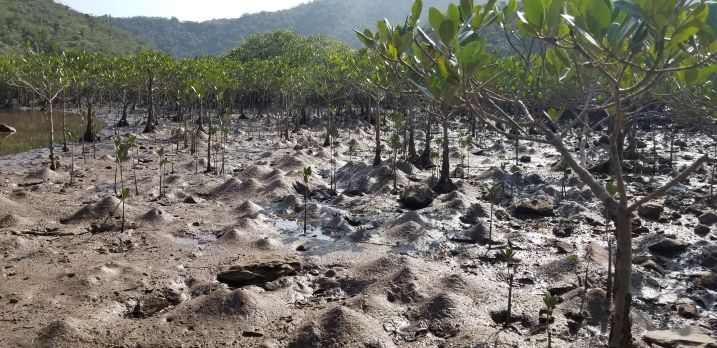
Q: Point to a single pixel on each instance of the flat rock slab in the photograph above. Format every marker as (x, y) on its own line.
(259, 272)
(678, 338)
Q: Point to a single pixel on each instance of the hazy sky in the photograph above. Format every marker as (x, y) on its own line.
(188, 10)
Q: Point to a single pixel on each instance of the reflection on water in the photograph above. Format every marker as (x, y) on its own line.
(33, 129)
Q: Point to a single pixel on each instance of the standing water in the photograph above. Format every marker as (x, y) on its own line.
(33, 130)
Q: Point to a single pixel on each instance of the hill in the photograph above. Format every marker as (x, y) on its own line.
(46, 22)
(337, 18)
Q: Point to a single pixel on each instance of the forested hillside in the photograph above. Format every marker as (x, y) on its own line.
(46, 22)
(337, 18)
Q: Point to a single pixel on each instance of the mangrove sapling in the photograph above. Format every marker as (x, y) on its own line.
(307, 174)
(162, 158)
(332, 133)
(550, 302)
(132, 143)
(508, 256)
(123, 196)
(565, 169)
(68, 134)
(465, 143)
(216, 147)
(395, 143)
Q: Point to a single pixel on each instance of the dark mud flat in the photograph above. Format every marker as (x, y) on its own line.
(222, 260)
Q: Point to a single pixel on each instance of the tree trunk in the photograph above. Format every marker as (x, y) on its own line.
(53, 159)
(621, 332)
(445, 184)
(89, 131)
(424, 161)
(209, 145)
(377, 119)
(64, 129)
(151, 121)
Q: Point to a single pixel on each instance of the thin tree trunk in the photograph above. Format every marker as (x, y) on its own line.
(53, 159)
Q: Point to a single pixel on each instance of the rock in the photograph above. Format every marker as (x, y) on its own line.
(708, 218)
(415, 197)
(688, 310)
(563, 230)
(687, 337)
(258, 273)
(525, 159)
(193, 200)
(708, 280)
(702, 230)
(6, 129)
(651, 210)
(668, 247)
(540, 204)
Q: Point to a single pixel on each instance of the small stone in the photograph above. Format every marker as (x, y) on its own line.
(415, 197)
(193, 200)
(6, 129)
(688, 310)
(525, 159)
(708, 218)
(702, 230)
(708, 280)
(539, 204)
(687, 337)
(668, 247)
(651, 210)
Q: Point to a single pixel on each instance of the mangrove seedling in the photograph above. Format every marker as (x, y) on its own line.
(333, 133)
(132, 143)
(68, 135)
(550, 302)
(123, 197)
(307, 174)
(162, 158)
(508, 256)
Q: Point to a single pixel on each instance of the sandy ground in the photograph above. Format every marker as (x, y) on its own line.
(369, 273)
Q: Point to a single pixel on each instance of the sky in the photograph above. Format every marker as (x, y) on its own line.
(185, 10)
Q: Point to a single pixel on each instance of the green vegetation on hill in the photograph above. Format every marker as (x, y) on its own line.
(336, 18)
(47, 23)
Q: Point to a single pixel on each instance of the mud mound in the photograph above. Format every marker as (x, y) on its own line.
(343, 327)
(337, 225)
(58, 334)
(100, 210)
(404, 287)
(410, 216)
(230, 187)
(45, 174)
(291, 203)
(267, 244)
(12, 220)
(253, 226)
(224, 303)
(256, 171)
(157, 216)
(279, 187)
(250, 186)
(230, 235)
(474, 214)
(406, 232)
(249, 210)
(10, 244)
(443, 314)
(291, 163)
(7, 204)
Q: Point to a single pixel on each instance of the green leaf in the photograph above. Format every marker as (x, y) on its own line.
(447, 31)
(435, 18)
(415, 12)
(553, 15)
(510, 8)
(454, 13)
(535, 13)
(685, 31)
(611, 188)
(629, 7)
(466, 8)
(598, 18)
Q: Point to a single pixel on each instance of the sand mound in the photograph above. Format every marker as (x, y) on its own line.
(157, 216)
(61, 333)
(337, 225)
(224, 303)
(253, 226)
(404, 287)
(250, 186)
(15, 244)
(406, 232)
(291, 203)
(443, 314)
(107, 158)
(474, 214)
(455, 201)
(256, 171)
(267, 244)
(291, 163)
(411, 216)
(230, 235)
(12, 220)
(249, 210)
(231, 187)
(343, 327)
(100, 210)
(45, 174)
